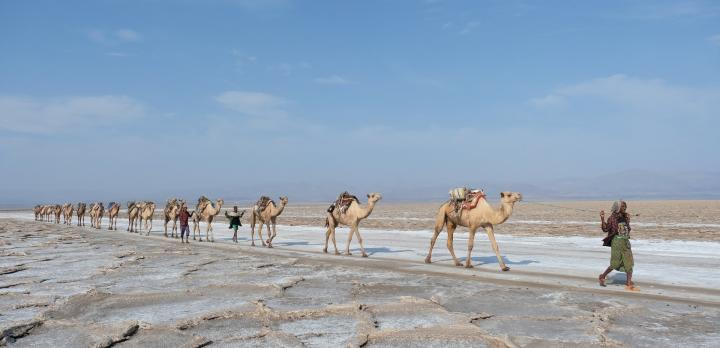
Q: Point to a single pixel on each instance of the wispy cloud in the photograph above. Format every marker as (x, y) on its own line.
(659, 10)
(468, 27)
(127, 35)
(289, 68)
(117, 54)
(332, 80)
(636, 98)
(48, 116)
(242, 60)
(715, 39)
(251, 103)
(115, 37)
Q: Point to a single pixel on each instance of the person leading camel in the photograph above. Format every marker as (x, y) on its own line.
(184, 216)
(234, 218)
(618, 229)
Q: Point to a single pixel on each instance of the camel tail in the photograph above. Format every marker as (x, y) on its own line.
(327, 222)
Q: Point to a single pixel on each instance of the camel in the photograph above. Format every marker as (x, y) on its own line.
(147, 211)
(37, 210)
(80, 211)
(267, 216)
(96, 213)
(57, 210)
(67, 210)
(351, 218)
(133, 214)
(205, 211)
(483, 215)
(171, 211)
(113, 212)
(46, 212)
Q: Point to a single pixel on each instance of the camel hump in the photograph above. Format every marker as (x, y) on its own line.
(463, 198)
(343, 202)
(263, 202)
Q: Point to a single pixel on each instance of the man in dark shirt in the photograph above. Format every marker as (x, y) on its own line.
(184, 226)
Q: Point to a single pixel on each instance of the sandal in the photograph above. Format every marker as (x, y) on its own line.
(631, 288)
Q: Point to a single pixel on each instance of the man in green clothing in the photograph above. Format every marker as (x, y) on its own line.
(621, 257)
(234, 218)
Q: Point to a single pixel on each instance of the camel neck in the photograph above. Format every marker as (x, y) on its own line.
(504, 212)
(367, 209)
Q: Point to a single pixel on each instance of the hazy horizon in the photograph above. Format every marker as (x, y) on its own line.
(124, 100)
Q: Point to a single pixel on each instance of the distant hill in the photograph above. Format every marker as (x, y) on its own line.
(630, 184)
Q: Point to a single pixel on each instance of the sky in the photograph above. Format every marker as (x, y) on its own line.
(236, 98)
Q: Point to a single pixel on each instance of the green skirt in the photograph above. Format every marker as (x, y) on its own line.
(621, 258)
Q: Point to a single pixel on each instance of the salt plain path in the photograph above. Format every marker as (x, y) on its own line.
(69, 286)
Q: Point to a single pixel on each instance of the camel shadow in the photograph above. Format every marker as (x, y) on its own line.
(382, 250)
(296, 243)
(487, 260)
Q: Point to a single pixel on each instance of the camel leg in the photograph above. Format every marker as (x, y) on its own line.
(360, 240)
(212, 230)
(149, 228)
(491, 237)
(450, 231)
(274, 232)
(471, 244)
(260, 227)
(428, 259)
(332, 235)
(327, 237)
(347, 247)
(269, 241)
(252, 229)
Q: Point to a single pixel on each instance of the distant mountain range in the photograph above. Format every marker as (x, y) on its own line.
(630, 184)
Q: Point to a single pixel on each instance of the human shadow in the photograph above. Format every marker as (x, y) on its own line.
(616, 278)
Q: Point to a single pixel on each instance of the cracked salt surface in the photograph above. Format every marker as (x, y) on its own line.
(99, 282)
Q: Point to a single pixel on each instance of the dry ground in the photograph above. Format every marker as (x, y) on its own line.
(75, 287)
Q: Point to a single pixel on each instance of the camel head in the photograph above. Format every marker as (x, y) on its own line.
(374, 197)
(510, 197)
(283, 200)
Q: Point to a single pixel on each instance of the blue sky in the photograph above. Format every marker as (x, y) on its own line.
(118, 97)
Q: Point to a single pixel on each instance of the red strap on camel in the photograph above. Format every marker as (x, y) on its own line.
(473, 201)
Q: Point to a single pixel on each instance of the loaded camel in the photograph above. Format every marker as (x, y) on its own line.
(171, 212)
(96, 213)
(113, 212)
(205, 211)
(483, 215)
(67, 210)
(80, 211)
(133, 213)
(57, 210)
(46, 213)
(147, 211)
(266, 215)
(37, 210)
(351, 217)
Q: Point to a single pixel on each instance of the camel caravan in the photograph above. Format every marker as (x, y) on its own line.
(466, 207)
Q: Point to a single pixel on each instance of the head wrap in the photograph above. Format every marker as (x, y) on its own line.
(617, 205)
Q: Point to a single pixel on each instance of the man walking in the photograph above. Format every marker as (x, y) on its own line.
(184, 225)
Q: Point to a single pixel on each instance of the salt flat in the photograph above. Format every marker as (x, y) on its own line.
(70, 286)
